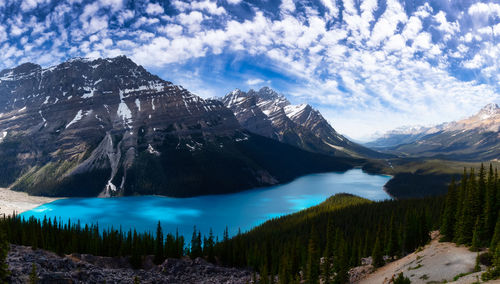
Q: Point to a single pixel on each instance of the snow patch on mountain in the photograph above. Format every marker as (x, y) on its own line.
(294, 110)
(152, 150)
(124, 112)
(2, 136)
(77, 118)
(138, 104)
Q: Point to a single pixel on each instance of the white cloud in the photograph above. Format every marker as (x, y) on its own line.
(253, 82)
(331, 6)
(287, 6)
(192, 20)
(388, 22)
(479, 9)
(207, 6)
(27, 5)
(154, 9)
(444, 25)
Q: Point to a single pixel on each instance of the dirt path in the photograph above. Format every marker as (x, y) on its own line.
(14, 201)
(434, 264)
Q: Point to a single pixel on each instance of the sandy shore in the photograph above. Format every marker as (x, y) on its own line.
(13, 201)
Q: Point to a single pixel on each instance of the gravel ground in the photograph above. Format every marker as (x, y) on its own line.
(434, 264)
(14, 201)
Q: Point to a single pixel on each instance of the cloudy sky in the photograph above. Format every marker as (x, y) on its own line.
(367, 65)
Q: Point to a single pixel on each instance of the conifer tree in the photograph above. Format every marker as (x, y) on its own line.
(159, 251)
(377, 257)
(495, 239)
(490, 204)
(461, 198)
(476, 242)
(448, 221)
(196, 249)
(468, 213)
(209, 247)
(341, 263)
(135, 259)
(392, 239)
(312, 269)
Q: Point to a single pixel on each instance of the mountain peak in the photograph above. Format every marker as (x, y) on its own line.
(489, 110)
(268, 93)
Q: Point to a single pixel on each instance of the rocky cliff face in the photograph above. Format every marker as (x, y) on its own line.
(270, 114)
(108, 127)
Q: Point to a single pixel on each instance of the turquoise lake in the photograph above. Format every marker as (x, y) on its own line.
(242, 210)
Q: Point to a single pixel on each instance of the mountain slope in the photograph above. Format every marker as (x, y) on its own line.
(475, 138)
(108, 127)
(270, 114)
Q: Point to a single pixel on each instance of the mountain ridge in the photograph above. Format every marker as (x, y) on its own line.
(473, 138)
(102, 125)
(267, 113)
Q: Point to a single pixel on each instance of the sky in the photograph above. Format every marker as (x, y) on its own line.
(368, 65)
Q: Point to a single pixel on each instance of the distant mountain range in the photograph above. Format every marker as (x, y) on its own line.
(476, 138)
(108, 127)
(267, 113)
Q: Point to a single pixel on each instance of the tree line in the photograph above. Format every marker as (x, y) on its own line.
(324, 242)
(471, 213)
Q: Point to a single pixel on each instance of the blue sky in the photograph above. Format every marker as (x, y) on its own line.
(368, 66)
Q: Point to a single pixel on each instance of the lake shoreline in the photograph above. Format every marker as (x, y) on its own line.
(19, 202)
(235, 211)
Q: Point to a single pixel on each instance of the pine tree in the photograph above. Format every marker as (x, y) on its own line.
(209, 247)
(448, 221)
(392, 239)
(476, 241)
(159, 251)
(461, 198)
(4, 250)
(469, 209)
(135, 259)
(490, 204)
(495, 239)
(326, 266)
(341, 263)
(312, 269)
(377, 257)
(196, 249)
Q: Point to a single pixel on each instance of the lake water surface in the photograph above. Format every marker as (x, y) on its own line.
(242, 210)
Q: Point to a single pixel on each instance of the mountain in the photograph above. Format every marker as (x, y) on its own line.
(475, 138)
(267, 113)
(108, 127)
(402, 135)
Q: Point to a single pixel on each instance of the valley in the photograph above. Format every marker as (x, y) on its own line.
(131, 154)
(249, 141)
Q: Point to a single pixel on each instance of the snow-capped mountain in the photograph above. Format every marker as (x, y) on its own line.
(474, 138)
(267, 113)
(109, 127)
(403, 135)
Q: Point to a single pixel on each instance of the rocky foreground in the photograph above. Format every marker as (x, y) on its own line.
(77, 268)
